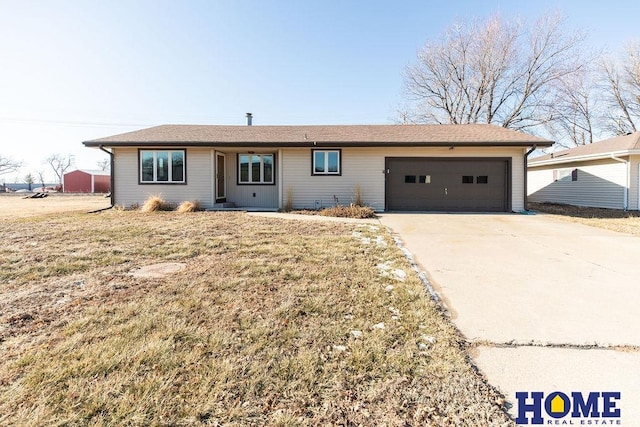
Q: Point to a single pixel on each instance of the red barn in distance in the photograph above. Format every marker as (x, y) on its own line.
(86, 181)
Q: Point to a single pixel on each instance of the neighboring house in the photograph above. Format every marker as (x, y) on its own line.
(86, 181)
(393, 167)
(604, 174)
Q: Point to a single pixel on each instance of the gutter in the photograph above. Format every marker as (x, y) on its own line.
(625, 202)
(600, 156)
(112, 177)
(319, 144)
(526, 168)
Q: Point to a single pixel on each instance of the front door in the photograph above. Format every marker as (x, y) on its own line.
(221, 185)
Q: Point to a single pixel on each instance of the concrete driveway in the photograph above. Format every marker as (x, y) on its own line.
(550, 305)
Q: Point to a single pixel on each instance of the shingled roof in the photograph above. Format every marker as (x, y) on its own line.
(619, 145)
(320, 135)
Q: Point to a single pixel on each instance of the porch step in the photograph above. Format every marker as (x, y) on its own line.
(224, 205)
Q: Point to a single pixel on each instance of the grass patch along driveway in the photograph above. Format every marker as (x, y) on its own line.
(609, 219)
(271, 322)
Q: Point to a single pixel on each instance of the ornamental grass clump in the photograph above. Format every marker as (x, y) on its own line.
(156, 203)
(189, 207)
(351, 211)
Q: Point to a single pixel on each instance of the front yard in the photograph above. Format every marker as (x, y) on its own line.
(271, 322)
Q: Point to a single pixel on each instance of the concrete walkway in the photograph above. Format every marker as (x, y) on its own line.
(549, 305)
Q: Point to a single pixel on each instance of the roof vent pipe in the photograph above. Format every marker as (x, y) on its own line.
(249, 118)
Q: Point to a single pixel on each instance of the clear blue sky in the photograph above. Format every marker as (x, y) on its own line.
(77, 70)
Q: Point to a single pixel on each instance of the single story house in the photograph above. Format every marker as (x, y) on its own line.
(605, 174)
(86, 181)
(472, 167)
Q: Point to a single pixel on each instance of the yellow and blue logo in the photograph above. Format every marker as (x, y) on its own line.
(593, 408)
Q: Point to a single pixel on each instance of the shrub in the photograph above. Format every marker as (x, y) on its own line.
(189, 207)
(156, 203)
(351, 211)
(358, 196)
(288, 204)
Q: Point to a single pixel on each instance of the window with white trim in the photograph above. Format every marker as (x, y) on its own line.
(326, 162)
(256, 169)
(162, 166)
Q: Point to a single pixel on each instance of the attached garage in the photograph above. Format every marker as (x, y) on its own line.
(448, 184)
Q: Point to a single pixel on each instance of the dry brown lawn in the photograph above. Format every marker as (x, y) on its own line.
(610, 219)
(14, 205)
(272, 322)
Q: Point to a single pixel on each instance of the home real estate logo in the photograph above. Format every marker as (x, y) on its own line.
(575, 408)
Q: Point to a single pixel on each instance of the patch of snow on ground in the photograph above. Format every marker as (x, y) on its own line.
(386, 271)
(399, 274)
(381, 242)
(356, 334)
(378, 326)
(384, 268)
(428, 338)
(421, 274)
(363, 239)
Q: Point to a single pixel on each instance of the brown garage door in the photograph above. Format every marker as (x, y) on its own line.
(448, 184)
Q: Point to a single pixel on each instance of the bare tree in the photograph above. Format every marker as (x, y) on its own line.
(8, 165)
(103, 164)
(60, 164)
(41, 179)
(493, 72)
(622, 91)
(577, 116)
(29, 179)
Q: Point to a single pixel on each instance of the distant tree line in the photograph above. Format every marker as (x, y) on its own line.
(536, 77)
(58, 163)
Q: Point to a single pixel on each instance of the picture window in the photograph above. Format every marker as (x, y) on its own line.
(162, 166)
(256, 168)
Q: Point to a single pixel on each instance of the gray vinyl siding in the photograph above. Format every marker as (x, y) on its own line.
(599, 184)
(199, 173)
(634, 181)
(361, 168)
(364, 168)
(249, 196)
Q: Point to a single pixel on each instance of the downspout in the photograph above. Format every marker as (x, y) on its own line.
(279, 177)
(625, 199)
(526, 167)
(112, 177)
